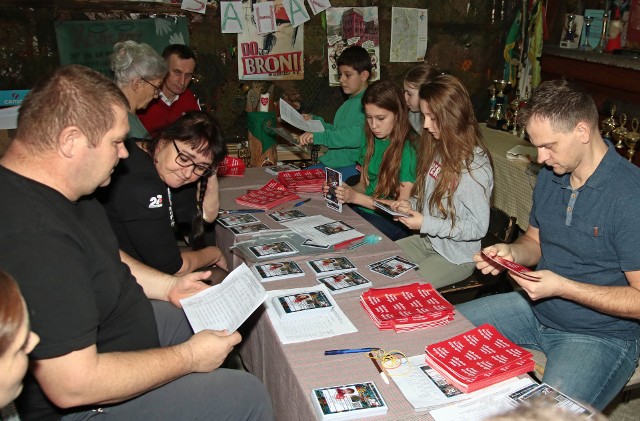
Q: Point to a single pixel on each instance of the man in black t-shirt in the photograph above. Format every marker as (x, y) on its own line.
(112, 337)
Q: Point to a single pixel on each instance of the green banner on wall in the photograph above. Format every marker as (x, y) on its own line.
(90, 43)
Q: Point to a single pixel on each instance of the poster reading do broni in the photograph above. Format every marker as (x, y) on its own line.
(276, 55)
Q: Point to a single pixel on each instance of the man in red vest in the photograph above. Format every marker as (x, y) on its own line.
(175, 97)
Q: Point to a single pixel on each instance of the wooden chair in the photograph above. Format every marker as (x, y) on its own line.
(502, 229)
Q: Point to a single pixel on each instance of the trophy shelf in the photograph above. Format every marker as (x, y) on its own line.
(606, 77)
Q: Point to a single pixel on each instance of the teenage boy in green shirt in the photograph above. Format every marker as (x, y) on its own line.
(344, 138)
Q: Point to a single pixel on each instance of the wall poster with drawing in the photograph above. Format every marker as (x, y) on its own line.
(277, 55)
(347, 26)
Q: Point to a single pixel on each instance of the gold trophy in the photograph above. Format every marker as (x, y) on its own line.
(515, 106)
(631, 139)
(500, 87)
(608, 124)
(619, 134)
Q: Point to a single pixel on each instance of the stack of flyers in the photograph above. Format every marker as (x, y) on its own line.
(392, 267)
(406, 308)
(277, 270)
(478, 358)
(303, 304)
(268, 196)
(231, 166)
(272, 250)
(331, 265)
(307, 181)
(248, 229)
(274, 170)
(283, 216)
(343, 282)
(237, 219)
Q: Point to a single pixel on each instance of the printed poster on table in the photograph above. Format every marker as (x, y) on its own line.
(347, 26)
(274, 55)
(90, 43)
(408, 34)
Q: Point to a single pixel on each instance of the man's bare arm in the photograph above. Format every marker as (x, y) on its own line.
(86, 377)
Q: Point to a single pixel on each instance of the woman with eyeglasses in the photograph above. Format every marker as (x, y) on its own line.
(138, 71)
(138, 199)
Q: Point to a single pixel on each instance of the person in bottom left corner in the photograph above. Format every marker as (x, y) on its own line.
(16, 342)
(115, 343)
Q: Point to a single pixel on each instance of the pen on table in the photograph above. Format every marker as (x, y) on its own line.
(302, 202)
(380, 370)
(348, 351)
(225, 212)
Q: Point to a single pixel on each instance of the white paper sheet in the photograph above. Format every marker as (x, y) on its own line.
(305, 227)
(493, 401)
(226, 305)
(291, 116)
(304, 329)
(425, 389)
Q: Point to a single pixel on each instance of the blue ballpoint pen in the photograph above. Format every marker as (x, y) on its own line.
(226, 212)
(349, 351)
(301, 202)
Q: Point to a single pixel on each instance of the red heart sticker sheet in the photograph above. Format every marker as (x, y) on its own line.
(512, 266)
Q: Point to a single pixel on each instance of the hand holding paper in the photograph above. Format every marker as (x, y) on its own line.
(291, 116)
(512, 266)
(227, 305)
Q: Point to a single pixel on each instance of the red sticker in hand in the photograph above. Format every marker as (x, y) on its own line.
(512, 266)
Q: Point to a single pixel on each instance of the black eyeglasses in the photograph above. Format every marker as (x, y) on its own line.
(184, 161)
(157, 91)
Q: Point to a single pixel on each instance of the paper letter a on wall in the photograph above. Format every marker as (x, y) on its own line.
(231, 12)
(318, 6)
(296, 12)
(265, 17)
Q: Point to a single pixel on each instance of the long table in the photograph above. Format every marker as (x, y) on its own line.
(513, 180)
(291, 371)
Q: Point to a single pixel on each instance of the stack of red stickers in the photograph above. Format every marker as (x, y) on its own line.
(406, 308)
(231, 166)
(478, 358)
(304, 181)
(268, 196)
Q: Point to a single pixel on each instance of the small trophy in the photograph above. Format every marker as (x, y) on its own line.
(497, 117)
(492, 100)
(515, 106)
(244, 152)
(570, 35)
(619, 134)
(631, 139)
(586, 45)
(604, 34)
(609, 124)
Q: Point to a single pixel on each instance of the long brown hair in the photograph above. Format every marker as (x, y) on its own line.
(452, 111)
(11, 311)
(389, 96)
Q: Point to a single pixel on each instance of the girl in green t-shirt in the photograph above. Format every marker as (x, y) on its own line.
(387, 158)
